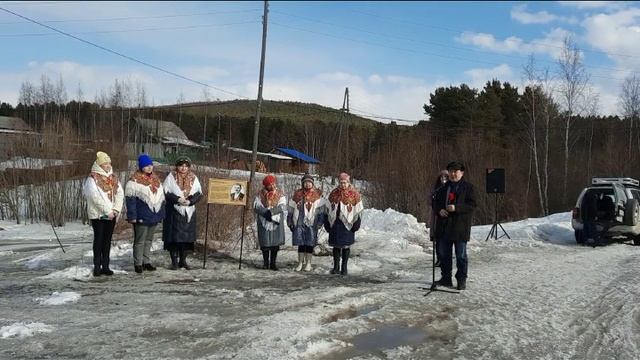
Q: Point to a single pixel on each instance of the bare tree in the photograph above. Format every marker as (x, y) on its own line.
(630, 104)
(573, 80)
(533, 114)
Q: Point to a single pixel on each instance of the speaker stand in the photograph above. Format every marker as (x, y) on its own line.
(493, 233)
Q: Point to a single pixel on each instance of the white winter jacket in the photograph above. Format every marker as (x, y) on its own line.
(99, 204)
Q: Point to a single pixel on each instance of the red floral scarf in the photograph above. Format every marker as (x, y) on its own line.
(150, 180)
(309, 196)
(106, 183)
(270, 199)
(185, 181)
(349, 197)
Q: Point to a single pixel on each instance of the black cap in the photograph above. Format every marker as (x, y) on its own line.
(455, 165)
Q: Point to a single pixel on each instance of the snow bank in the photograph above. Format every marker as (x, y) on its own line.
(553, 229)
(39, 261)
(22, 330)
(72, 273)
(59, 298)
(6, 253)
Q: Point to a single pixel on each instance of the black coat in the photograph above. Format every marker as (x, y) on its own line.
(175, 228)
(457, 226)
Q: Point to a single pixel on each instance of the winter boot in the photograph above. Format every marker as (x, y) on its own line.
(307, 266)
(138, 268)
(174, 260)
(272, 258)
(265, 258)
(345, 259)
(301, 258)
(444, 282)
(462, 284)
(183, 260)
(336, 261)
(107, 271)
(96, 271)
(149, 267)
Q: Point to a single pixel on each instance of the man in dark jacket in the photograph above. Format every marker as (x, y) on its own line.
(455, 203)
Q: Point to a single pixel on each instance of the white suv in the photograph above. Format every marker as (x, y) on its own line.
(618, 209)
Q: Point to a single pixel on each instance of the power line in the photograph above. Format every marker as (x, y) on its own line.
(133, 30)
(447, 46)
(474, 61)
(124, 56)
(444, 28)
(134, 17)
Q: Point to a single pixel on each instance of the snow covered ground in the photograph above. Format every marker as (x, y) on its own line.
(536, 296)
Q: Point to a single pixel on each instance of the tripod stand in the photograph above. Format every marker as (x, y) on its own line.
(493, 233)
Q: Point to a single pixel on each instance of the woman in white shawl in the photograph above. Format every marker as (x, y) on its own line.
(182, 192)
(104, 202)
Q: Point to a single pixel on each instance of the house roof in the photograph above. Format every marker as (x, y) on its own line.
(273, 156)
(13, 123)
(165, 128)
(298, 155)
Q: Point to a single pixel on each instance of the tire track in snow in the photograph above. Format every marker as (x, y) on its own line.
(610, 327)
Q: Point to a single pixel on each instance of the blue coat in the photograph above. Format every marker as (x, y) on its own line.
(139, 210)
(339, 235)
(301, 233)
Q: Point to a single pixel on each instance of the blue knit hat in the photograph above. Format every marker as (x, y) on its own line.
(144, 160)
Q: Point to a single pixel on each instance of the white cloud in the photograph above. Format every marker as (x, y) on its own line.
(550, 44)
(479, 76)
(387, 95)
(594, 4)
(520, 14)
(616, 34)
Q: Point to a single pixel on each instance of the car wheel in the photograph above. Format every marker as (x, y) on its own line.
(579, 237)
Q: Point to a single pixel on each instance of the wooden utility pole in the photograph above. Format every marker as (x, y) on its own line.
(259, 103)
(218, 142)
(345, 108)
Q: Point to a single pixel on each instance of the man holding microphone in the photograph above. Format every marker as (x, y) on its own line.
(455, 203)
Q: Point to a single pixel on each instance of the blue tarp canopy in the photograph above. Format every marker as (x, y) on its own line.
(298, 155)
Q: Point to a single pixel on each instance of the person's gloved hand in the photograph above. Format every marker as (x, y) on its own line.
(267, 215)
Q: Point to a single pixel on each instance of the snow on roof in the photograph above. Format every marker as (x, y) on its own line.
(274, 156)
(179, 141)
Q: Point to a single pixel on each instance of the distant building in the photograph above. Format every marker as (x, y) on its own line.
(14, 132)
(159, 139)
(301, 162)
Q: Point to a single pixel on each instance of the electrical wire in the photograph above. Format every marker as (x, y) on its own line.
(123, 55)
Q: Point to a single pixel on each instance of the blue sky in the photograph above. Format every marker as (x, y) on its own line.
(390, 54)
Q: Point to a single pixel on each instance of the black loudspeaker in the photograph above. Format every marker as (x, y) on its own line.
(495, 181)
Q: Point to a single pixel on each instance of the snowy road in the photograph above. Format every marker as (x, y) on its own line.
(538, 296)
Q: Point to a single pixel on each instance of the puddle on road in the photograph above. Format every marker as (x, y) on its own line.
(386, 337)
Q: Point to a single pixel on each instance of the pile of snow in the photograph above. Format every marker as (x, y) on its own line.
(43, 231)
(553, 229)
(40, 261)
(72, 273)
(6, 253)
(22, 330)
(59, 298)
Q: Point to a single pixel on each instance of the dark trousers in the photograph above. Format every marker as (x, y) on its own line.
(305, 249)
(102, 233)
(462, 261)
(589, 230)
